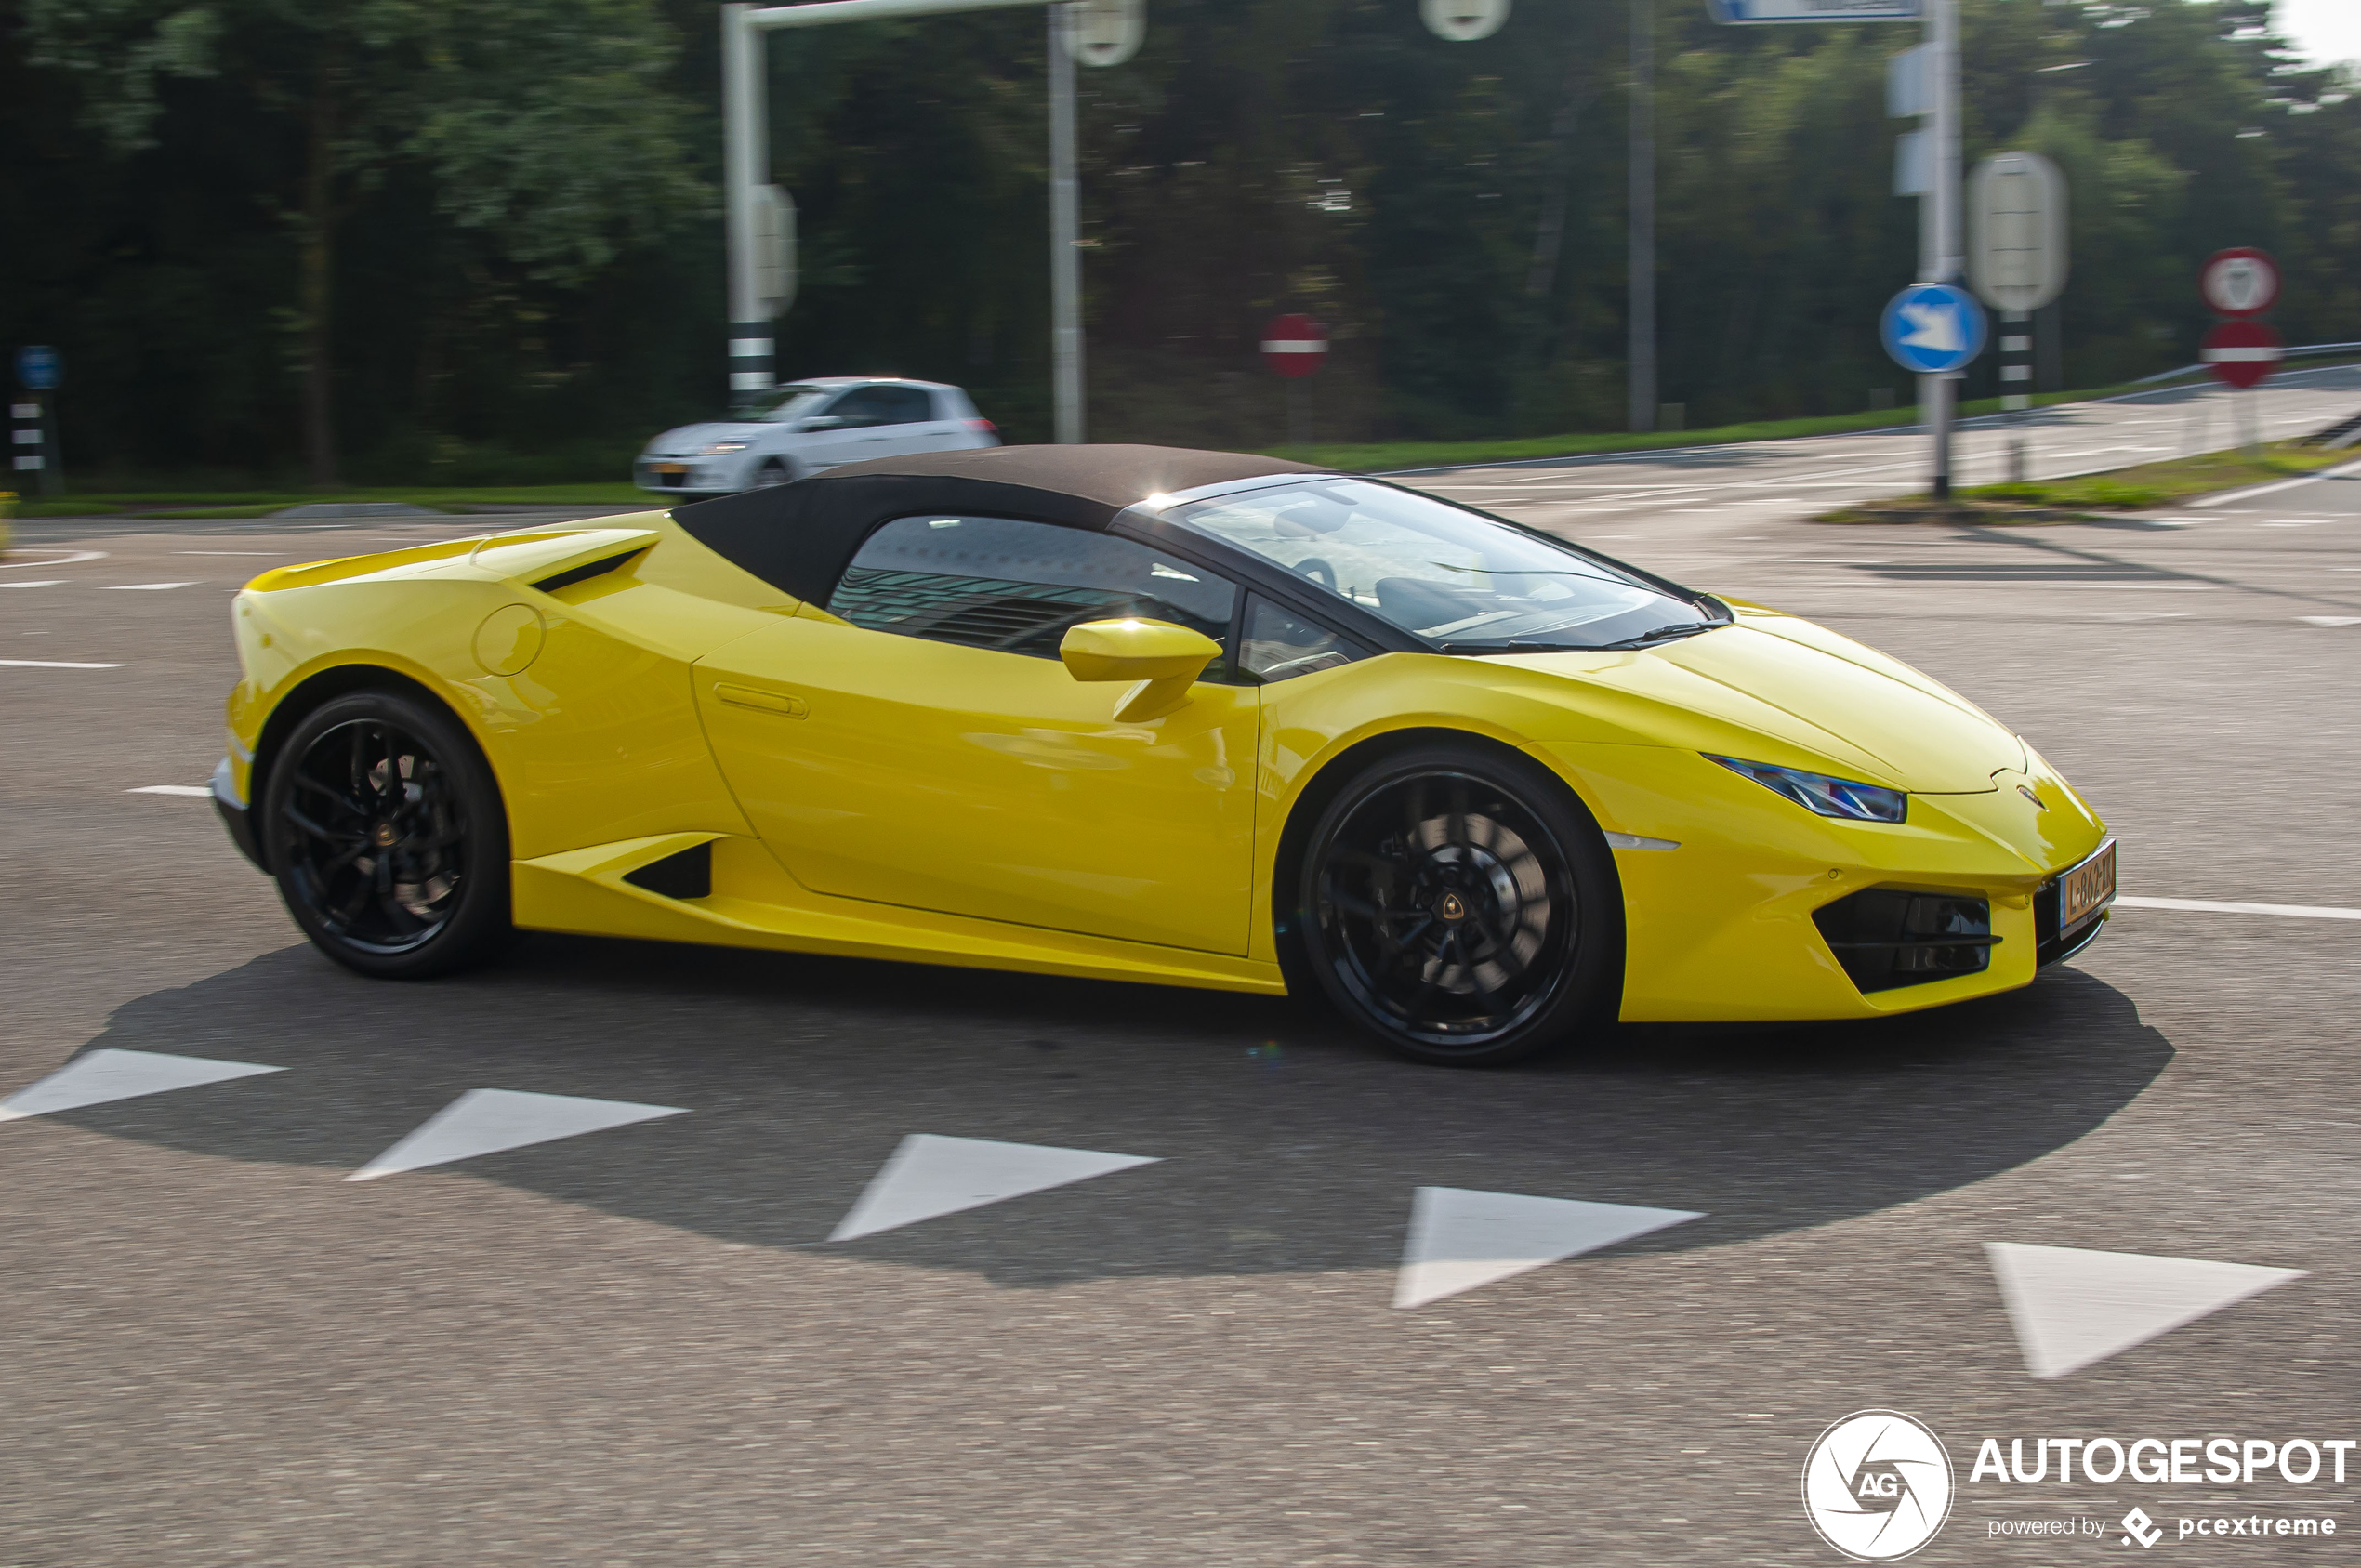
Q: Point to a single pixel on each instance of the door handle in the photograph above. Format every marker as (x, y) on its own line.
(768, 702)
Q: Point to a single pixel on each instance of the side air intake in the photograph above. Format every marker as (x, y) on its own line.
(688, 875)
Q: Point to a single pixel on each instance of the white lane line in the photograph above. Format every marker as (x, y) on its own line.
(53, 663)
(2072, 1307)
(71, 558)
(97, 1077)
(37, 583)
(2330, 620)
(269, 553)
(144, 587)
(2237, 495)
(171, 789)
(2208, 906)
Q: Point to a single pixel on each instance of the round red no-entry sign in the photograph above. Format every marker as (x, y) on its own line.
(2240, 281)
(2240, 352)
(1294, 345)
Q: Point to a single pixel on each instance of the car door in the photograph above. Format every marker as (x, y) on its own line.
(919, 743)
(853, 428)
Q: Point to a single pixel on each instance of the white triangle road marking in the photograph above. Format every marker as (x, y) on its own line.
(930, 1176)
(2071, 1307)
(1460, 1239)
(95, 1077)
(486, 1121)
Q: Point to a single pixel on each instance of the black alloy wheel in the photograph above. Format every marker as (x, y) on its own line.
(386, 833)
(1461, 906)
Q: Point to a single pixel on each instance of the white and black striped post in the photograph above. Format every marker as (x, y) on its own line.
(2016, 384)
(35, 465)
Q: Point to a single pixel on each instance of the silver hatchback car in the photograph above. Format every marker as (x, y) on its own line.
(815, 424)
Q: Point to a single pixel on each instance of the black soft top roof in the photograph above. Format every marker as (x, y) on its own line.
(800, 537)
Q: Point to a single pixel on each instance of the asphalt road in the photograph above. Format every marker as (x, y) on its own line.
(637, 1346)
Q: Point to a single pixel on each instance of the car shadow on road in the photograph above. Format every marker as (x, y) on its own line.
(1286, 1145)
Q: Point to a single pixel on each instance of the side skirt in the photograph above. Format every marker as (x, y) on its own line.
(753, 903)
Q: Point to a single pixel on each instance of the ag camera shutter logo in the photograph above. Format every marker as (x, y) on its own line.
(1878, 1486)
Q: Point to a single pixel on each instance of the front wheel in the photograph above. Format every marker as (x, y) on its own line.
(387, 836)
(1459, 905)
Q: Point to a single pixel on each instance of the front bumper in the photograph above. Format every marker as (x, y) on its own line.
(691, 477)
(234, 816)
(1722, 929)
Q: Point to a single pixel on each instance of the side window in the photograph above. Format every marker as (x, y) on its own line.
(997, 583)
(1279, 645)
(905, 405)
(861, 407)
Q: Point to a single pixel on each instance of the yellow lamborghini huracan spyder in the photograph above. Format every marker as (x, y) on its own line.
(1144, 714)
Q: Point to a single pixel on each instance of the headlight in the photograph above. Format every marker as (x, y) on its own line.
(1819, 792)
(717, 448)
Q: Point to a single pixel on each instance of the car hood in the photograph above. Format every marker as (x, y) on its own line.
(1811, 690)
(687, 440)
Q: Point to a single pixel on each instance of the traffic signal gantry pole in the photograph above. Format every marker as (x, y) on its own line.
(760, 216)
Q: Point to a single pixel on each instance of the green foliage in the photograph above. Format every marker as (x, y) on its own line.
(527, 270)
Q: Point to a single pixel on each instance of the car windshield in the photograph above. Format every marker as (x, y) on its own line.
(798, 401)
(1463, 581)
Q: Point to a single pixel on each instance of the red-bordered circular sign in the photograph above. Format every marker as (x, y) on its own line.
(2240, 352)
(2240, 281)
(1294, 345)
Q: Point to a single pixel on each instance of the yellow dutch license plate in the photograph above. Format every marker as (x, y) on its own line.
(2087, 888)
(668, 467)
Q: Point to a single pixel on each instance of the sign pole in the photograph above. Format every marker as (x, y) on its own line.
(1940, 250)
(746, 162)
(1641, 259)
(1065, 255)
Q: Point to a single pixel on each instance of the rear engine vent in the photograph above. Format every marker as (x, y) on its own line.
(1886, 938)
(688, 875)
(583, 573)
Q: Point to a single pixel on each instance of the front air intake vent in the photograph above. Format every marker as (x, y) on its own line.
(1886, 938)
(688, 875)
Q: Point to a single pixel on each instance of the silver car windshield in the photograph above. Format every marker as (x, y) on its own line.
(1460, 580)
(799, 402)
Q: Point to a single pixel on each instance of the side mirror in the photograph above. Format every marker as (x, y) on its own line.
(1163, 660)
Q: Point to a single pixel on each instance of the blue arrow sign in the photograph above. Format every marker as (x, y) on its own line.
(37, 368)
(1744, 13)
(1931, 328)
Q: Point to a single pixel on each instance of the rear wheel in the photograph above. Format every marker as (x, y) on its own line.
(1460, 905)
(386, 833)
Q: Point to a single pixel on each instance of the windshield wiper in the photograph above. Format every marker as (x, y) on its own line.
(1663, 634)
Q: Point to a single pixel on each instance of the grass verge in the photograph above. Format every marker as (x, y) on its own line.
(263, 503)
(1385, 456)
(2161, 485)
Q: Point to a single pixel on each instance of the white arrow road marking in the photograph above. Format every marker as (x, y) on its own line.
(95, 1077)
(1461, 1239)
(1932, 326)
(486, 1121)
(52, 664)
(2071, 1308)
(930, 1176)
(171, 789)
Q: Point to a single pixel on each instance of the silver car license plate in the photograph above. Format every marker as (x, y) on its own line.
(2087, 887)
